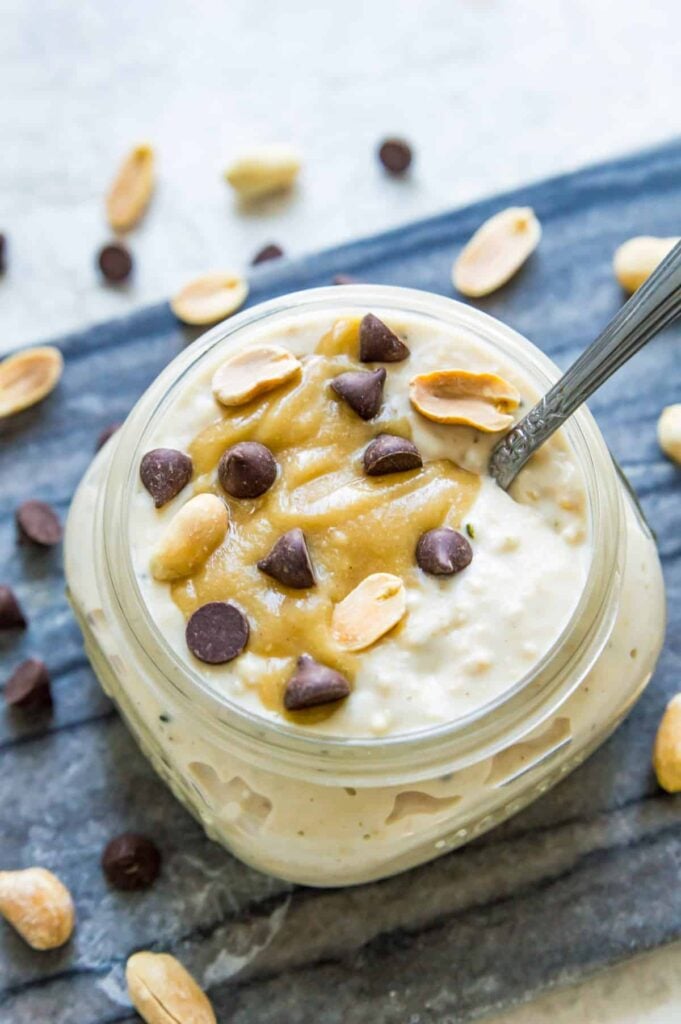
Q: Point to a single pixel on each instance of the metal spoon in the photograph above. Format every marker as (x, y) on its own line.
(654, 305)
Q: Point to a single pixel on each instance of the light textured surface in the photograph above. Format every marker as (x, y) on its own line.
(491, 93)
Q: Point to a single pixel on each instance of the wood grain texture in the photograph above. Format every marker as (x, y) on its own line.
(584, 877)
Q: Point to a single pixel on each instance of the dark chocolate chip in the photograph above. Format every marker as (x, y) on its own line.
(289, 561)
(395, 155)
(106, 434)
(388, 453)
(11, 614)
(39, 523)
(3, 253)
(344, 279)
(115, 262)
(164, 472)
(378, 344)
(29, 686)
(268, 252)
(131, 862)
(443, 552)
(217, 632)
(313, 683)
(247, 469)
(362, 390)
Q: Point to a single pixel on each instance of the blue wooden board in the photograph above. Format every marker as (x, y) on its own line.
(586, 876)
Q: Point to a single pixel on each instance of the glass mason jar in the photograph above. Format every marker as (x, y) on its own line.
(326, 810)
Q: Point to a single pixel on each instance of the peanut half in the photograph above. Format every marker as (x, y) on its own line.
(209, 298)
(28, 377)
(253, 372)
(669, 432)
(667, 749)
(635, 260)
(190, 537)
(38, 905)
(496, 251)
(264, 170)
(132, 189)
(164, 992)
(480, 400)
(369, 611)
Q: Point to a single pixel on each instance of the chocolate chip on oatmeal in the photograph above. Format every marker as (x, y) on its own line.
(217, 632)
(115, 262)
(378, 344)
(443, 552)
(29, 686)
(362, 390)
(312, 684)
(247, 469)
(106, 434)
(395, 155)
(289, 561)
(131, 862)
(38, 523)
(11, 614)
(165, 472)
(388, 453)
(268, 252)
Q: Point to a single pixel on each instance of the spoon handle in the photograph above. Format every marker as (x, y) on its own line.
(655, 304)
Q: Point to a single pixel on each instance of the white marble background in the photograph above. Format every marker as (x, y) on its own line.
(492, 93)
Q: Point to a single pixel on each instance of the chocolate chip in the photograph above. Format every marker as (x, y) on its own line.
(247, 469)
(164, 472)
(395, 155)
(388, 453)
(11, 615)
(106, 434)
(443, 552)
(217, 632)
(115, 262)
(3, 253)
(29, 686)
(131, 862)
(289, 561)
(344, 279)
(39, 523)
(313, 683)
(362, 390)
(378, 344)
(268, 252)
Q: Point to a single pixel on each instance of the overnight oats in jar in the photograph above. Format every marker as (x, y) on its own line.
(345, 648)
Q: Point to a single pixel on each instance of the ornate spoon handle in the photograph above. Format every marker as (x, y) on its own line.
(655, 304)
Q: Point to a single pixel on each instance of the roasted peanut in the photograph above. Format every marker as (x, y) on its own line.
(38, 905)
(132, 188)
(496, 251)
(369, 611)
(209, 298)
(635, 260)
(253, 372)
(480, 400)
(28, 377)
(194, 532)
(264, 170)
(164, 992)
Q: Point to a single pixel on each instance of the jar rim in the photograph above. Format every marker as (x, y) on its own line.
(525, 704)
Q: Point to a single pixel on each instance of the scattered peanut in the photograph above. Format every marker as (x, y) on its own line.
(667, 749)
(263, 170)
(132, 188)
(480, 400)
(253, 372)
(190, 537)
(369, 611)
(38, 905)
(164, 992)
(28, 377)
(496, 251)
(635, 260)
(209, 298)
(669, 432)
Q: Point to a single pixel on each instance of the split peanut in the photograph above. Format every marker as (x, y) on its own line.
(635, 260)
(480, 400)
(496, 251)
(262, 171)
(369, 611)
(253, 372)
(38, 905)
(164, 992)
(667, 749)
(132, 189)
(669, 432)
(28, 377)
(209, 298)
(190, 538)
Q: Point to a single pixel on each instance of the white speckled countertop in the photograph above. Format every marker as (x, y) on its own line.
(492, 93)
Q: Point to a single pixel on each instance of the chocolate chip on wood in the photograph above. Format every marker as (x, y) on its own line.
(443, 551)
(313, 684)
(217, 632)
(378, 344)
(11, 613)
(38, 523)
(362, 390)
(247, 469)
(131, 862)
(388, 453)
(29, 686)
(289, 561)
(165, 472)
